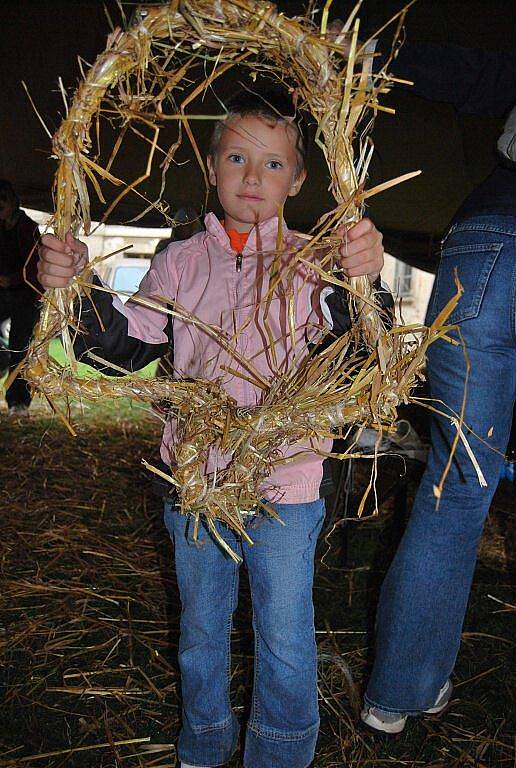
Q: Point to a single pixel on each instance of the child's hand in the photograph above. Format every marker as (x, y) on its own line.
(60, 260)
(362, 250)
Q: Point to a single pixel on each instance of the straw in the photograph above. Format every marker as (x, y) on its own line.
(138, 82)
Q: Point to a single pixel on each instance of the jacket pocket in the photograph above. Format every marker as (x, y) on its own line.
(473, 264)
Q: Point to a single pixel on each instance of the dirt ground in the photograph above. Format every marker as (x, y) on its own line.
(89, 612)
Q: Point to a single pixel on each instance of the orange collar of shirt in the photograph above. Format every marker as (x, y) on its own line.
(237, 240)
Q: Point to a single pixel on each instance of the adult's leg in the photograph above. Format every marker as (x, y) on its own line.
(24, 313)
(4, 315)
(284, 722)
(425, 593)
(208, 586)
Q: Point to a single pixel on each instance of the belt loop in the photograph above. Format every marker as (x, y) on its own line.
(448, 233)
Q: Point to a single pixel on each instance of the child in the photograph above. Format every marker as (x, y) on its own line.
(256, 161)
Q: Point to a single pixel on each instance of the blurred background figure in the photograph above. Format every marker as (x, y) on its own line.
(187, 222)
(19, 291)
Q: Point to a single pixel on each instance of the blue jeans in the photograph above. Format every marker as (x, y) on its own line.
(425, 593)
(284, 719)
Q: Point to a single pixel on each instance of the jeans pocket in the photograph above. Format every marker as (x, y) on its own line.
(181, 525)
(170, 509)
(473, 264)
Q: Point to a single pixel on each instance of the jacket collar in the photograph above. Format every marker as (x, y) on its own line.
(262, 236)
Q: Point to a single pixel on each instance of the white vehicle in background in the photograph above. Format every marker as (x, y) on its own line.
(134, 247)
(124, 273)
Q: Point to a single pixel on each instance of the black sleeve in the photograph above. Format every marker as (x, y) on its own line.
(104, 332)
(385, 301)
(337, 303)
(474, 80)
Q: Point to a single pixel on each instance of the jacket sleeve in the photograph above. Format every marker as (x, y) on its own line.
(128, 335)
(335, 308)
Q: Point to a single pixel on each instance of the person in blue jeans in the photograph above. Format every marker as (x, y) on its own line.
(425, 592)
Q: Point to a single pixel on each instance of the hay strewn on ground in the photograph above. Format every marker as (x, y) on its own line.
(89, 616)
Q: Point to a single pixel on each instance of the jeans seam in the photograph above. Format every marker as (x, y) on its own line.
(370, 703)
(513, 304)
(222, 726)
(228, 630)
(470, 227)
(272, 734)
(255, 708)
(453, 250)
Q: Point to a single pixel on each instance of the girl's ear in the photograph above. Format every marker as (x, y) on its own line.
(211, 170)
(297, 183)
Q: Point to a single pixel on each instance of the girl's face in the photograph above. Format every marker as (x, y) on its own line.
(254, 170)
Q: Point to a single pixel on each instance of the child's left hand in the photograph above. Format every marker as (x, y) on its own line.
(362, 251)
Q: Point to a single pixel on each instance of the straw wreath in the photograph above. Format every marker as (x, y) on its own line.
(138, 83)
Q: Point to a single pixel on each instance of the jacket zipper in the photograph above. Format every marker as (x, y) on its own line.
(238, 262)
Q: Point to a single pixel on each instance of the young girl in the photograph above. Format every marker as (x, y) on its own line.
(256, 161)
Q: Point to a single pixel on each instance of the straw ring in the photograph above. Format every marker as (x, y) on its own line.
(143, 66)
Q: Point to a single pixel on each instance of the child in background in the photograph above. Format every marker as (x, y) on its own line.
(19, 291)
(256, 161)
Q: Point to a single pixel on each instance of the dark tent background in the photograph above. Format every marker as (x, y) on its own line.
(41, 40)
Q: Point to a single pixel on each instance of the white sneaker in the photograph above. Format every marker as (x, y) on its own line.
(18, 411)
(394, 722)
(442, 701)
(404, 441)
(187, 765)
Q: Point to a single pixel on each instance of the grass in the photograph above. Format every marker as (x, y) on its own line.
(90, 613)
(57, 352)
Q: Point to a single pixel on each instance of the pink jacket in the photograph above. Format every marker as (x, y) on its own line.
(201, 275)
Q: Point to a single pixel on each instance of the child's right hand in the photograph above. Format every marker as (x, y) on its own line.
(60, 260)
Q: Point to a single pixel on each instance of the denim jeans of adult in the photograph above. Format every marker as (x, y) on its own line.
(284, 722)
(425, 593)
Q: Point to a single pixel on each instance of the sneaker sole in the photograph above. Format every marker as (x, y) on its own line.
(439, 709)
(380, 734)
(390, 735)
(432, 714)
(383, 729)
(435, 713)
